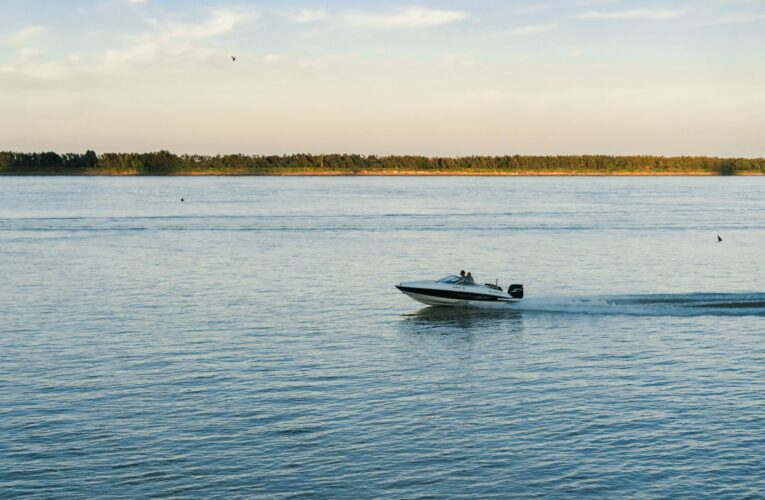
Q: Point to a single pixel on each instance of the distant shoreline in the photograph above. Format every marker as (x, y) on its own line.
(423, 173)
(397, 174)
(165, 163)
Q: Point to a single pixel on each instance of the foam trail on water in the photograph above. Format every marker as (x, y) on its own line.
(695, 304)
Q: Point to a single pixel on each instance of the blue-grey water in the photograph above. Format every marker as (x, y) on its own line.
(249, 342)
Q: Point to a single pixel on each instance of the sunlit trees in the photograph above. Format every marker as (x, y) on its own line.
(167, 163)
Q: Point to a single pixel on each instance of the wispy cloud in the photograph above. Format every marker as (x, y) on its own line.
(413, 17)
(166, 44)
(533, 29)
(221, 22)
(738, 18)
(529, 30)
(26, 35)
(177, 39)
(305, 15)
(654, 14)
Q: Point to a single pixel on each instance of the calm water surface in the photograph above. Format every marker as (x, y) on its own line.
(249, 342)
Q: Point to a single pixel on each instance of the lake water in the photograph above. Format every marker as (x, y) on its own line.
(249, 341)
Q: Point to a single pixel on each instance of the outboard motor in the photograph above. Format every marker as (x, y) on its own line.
(515, 291)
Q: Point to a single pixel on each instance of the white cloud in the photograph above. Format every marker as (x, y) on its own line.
(167, 46)
(175, 39)
(533, 29)
(656, 14)
(31, 63)
(26, 35)
(739, 18)
(142, 52)
(306, 15)
(221, 22)
(413, 17)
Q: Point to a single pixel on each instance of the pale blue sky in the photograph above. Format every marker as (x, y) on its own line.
(442, 77)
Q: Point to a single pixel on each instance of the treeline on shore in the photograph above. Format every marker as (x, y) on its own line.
(167, 163)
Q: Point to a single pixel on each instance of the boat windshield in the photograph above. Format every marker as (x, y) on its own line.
(451, 279)
(455, 280)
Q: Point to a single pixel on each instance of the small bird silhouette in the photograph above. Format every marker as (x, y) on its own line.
(719, 240)
(182, 200)
(233, 58)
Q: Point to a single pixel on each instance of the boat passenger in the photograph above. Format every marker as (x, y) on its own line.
(462, 274)
(469, 278)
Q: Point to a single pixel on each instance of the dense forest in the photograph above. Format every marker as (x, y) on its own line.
(166, 163)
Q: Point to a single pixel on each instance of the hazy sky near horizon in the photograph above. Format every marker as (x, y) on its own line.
(433, 77)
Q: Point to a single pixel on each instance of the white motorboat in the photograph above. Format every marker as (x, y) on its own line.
(455, 291)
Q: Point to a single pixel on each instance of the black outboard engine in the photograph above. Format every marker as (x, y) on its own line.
(515, 291)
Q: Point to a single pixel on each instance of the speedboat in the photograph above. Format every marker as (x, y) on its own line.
(455, 291)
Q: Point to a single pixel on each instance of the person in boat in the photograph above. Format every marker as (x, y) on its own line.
(462, 274)
(469, 278)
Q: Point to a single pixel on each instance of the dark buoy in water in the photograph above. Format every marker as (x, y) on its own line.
(719, 240)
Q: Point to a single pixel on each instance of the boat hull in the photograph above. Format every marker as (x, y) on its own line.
(456, 296)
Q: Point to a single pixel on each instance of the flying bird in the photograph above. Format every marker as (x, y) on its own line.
(233, 58)
(719, 240)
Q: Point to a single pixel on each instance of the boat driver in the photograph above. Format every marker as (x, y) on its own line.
(469, 278)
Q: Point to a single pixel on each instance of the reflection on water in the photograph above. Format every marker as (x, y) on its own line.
(445, 319)
(457, 338)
